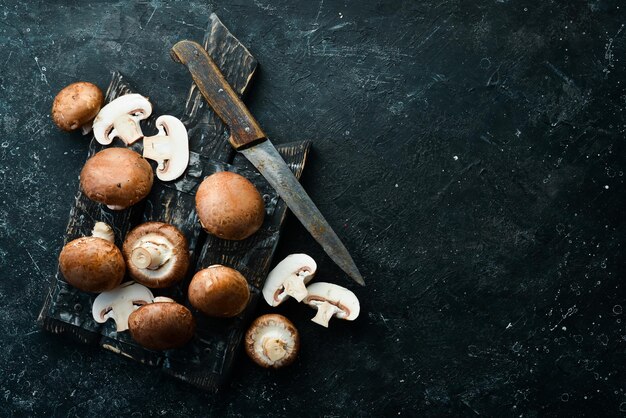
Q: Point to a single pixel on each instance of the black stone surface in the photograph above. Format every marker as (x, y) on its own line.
(470, 154)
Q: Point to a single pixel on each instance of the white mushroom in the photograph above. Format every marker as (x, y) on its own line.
(120, 118)
(332, 300)
(119, 303)
(288, 278)
(169, 148)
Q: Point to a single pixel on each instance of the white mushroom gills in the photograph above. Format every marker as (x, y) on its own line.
(273, 343)
(151, 252)
(169, 148)
(332, 300)
(119, 303)
(104, 231)
(288, 278)
(120, 118)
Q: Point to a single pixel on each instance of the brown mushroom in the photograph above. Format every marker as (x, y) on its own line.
(162, 325)
(229, 206)
(116, 177)
(219, 291)
(272, 341)
(76, 106)
(157, 254)
(93, 264)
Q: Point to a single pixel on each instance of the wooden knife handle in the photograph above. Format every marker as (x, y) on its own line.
(244, 129)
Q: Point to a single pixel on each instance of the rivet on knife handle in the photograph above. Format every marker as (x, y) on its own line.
(247, 137)
(245, 130)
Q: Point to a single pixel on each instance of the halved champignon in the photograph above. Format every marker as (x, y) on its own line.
(120, 118)
(157, 254)
(272, 341)
(116, 177)
(93, 264)
(119, 303)
(76, 106)
(332, 300)
(162, 325)
(169, 148)
(288, 278)
(219, 291)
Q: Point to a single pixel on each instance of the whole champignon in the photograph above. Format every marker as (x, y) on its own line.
(272, 341)
(157, 254)
(162, 325)
(219, 291)
(116, 177)
(93, 264)
(332, 300)
(120, 118)
(229, 206)
(169, 148)
(288, 279)
(76, 106)
(119, 303)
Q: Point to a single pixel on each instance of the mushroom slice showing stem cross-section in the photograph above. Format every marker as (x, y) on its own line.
(119, 303)
(120, 118)
(288, 278)
(332, 300)
(169, 148)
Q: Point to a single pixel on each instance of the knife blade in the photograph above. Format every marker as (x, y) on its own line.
(247, 137)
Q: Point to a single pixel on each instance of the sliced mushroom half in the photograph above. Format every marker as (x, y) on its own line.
(169, 148)
(120, 118)
(332, 300)
(288, 278)
(119, 303)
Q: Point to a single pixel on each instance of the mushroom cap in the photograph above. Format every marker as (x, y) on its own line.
(295, 269)
(339, 296)
(92, 264)
(274, 327)
(76, 105)
(162, 325)
(176, 266)
(116, 177)
(219, 291)
(229, 206)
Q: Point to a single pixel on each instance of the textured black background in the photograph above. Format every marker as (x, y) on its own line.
(469, 153)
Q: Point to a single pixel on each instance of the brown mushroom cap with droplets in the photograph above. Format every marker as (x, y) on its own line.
(219, 291)
(157, 254)
(76, 105)
(92, 264)
(116, 177)
(162, 325)
(229, 206)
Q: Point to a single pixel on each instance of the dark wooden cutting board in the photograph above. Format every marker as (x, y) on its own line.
(207, 359)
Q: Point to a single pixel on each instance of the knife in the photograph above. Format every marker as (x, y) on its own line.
(247, 137)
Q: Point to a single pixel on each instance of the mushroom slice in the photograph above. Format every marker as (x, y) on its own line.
(272, 341)
(169, 148)
(288, 278)
(157, 254)
(120, 118)
(119, 303)
(332, 300)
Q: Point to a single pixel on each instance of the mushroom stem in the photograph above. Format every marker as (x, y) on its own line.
(149, 255)
(325, 311)
(127, 128)
(157, 148)
(86, 128)
(104, 231)
(294, 287)
(274, 349)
